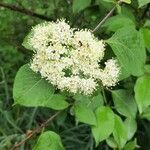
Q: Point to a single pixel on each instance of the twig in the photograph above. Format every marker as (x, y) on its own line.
(36, 130)
(24, 11)
(106, 17)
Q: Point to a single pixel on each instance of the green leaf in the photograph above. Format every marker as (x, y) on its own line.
(128, 46)
(126, 1)
(131, 127)
(146, 36)
(84, 114)
(111, 142)
(26, 41)
(120, 132)
(79, 5)
(49, 141)
(105, 124)
(146, 114)
(109, 1)
(32, 91)
(142, 92)
(92, 102)
(124, 103)
(116, 22)
(132, 145)
(147, 68)
(143, 2)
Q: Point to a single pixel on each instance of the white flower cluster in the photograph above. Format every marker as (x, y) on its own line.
(70, 58)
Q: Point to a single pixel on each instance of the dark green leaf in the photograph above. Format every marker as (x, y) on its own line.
(124, 103)
(79, 5)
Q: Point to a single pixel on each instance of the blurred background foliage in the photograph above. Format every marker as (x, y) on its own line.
(15, 22)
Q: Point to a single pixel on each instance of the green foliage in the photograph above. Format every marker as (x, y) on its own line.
(131, 127)
(91, 102)
(120, 132)
(127, 33)
(49, 141)
(146, 35)
(84, 114)
(142, 93)
(30, 90)
(105, 124)
(116, 22)
(79, 5)
(124, 103)
(131, 145)
(143, 2)
(128, 45)
(126, 1)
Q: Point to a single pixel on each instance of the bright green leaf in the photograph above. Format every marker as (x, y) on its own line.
(146, 36)
(84, 114)
(146, 114)
(128, 45)
(132, 145)
(143, 2)
(32, 91)
(120, 132)
(126, 1)
(124, 103)
(109, 1)
(26, 42)
(131, 127)
(105, 124)
(79, 5)
(142, 92)
(49, 141)
(111, 142)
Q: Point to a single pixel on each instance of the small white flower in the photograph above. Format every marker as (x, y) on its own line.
(69, 58)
